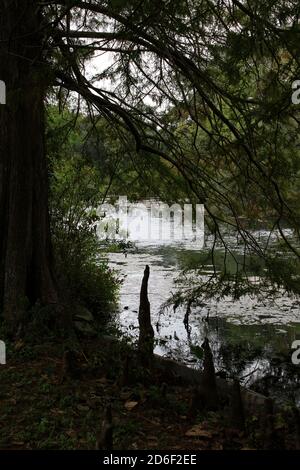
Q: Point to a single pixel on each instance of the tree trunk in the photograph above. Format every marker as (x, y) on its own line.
(25, 269)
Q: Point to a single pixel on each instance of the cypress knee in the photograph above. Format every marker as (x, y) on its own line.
(146, 337)
(104, 440)
(237, 407)
(209, 386)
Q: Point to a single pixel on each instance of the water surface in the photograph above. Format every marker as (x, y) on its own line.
(250, 339)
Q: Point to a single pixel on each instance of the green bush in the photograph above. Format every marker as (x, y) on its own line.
(83, 272)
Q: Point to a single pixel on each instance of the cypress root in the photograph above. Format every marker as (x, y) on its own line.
(237, 406)
(209, 385)
(206, 395)
(146, 337)
(104, 439)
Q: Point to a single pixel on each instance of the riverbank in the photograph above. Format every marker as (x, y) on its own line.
(53, 400)
(251, 339)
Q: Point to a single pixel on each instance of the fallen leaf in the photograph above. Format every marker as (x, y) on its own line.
(130, 405)
(57, 412)
(218, 446)
(83, 408)
(19, 345)
(198, 431)
(103, 380)
(71, 433)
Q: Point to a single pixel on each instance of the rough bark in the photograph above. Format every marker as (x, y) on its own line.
(25, 249)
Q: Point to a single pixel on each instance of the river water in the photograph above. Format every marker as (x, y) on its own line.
(250, 339)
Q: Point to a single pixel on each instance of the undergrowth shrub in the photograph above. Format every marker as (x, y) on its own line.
(83, 271)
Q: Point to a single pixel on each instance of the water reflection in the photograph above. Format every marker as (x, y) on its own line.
(250, 339)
